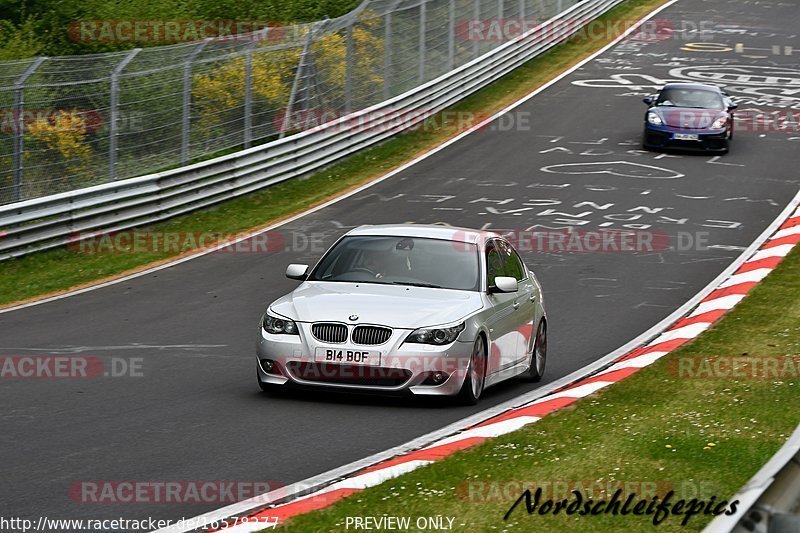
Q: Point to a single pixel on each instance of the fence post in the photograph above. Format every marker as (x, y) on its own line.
(522, 14)
(387, 55)
(451, 31)
(348, 70)
(248, 86)
(248, 97)
(187, 101)
(421, 74)
(19, 127)
(500, 12)
(476, 15)
(301, 66)
(114, 113)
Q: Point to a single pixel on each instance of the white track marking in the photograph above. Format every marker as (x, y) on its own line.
(746, 277)
(576, 392)
(718, 304)
(686, 332)
(775, 251)
(640, 361)
(491, 430)
(787, 232)
(376, 477)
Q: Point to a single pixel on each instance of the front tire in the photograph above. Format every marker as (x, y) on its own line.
(538, 355)
(474, 382)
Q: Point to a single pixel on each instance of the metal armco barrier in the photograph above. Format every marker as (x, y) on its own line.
(768, 503)
(51, 221)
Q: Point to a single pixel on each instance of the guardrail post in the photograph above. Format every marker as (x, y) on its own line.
(451, 33)
(113, 118)
(348, 70)
(476, 15)
(187, 101)
(301, 66)
(421, 74)
(19, 127)
(387, 55)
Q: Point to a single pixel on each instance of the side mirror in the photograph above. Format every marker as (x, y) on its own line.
(648, 100)
(732, 106)
(505, 284)
(295, 271)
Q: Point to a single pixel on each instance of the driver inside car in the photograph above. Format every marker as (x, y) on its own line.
(375, 263)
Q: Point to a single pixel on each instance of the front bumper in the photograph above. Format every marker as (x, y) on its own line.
(663, 136)
(402, 367)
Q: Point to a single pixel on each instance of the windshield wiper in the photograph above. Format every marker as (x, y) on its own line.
(417, 284)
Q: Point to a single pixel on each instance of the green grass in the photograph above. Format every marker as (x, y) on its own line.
(61, 269)
(655, 431)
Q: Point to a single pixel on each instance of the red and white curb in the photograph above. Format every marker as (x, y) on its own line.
(721, 296)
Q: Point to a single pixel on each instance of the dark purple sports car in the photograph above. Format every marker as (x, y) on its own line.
(689, 116)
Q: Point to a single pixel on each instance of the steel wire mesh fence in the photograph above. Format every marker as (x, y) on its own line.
(73, 122)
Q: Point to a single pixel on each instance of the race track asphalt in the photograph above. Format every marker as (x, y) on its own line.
(570, 157)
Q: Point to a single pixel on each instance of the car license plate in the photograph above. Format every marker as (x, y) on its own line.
(348, 356)
(686, 137)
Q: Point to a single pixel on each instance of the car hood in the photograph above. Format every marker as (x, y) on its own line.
(396, 306)
(688, 117)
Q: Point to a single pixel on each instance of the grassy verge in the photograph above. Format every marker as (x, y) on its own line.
(656, 431)
(61, 269)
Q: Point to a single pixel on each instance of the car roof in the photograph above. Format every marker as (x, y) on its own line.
(431, 231)
(701, 86)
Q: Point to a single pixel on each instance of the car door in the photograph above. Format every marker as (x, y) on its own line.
(502, 319)
(525, 301)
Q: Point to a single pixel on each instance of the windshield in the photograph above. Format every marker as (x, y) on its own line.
(408, 261)
(696, 98)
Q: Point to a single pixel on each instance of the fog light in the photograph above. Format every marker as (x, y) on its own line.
(436, 378)
(269, 366)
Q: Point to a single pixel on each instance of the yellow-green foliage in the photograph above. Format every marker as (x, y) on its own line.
(64, 137)
(273, 72)
(223, 87)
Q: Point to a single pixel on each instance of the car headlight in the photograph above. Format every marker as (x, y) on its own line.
(653, 118)
(278, 326)
(437, 336)
(719, 123)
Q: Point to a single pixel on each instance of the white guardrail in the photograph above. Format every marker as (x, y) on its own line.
(53, 221)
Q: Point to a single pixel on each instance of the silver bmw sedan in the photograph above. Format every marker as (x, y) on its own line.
(430, 310)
